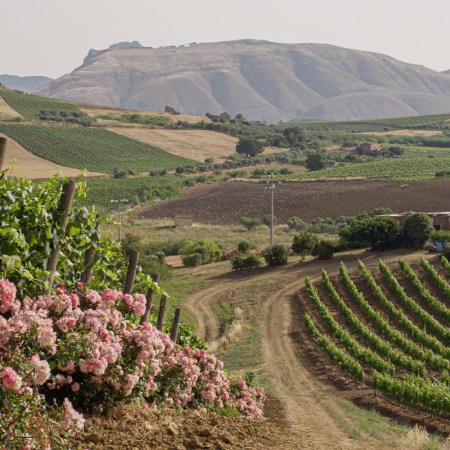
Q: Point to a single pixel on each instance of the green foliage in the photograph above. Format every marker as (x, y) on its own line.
(277, 255)
(440, 236)
(192, 260)
(303, 244)
(245, 262)
(315, 161)
(249, 147)
(94, 149)
(137, 118)
(324, 249)
(250, 222)
(297, 224)
(31, 106)
(209, 250)
(244, 247)
(418, 228)
(267, 219)
(29, 217)
(378, 232)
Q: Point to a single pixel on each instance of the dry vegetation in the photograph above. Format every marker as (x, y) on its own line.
(6, 112)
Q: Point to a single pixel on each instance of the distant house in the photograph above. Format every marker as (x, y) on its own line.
(183, 221)
(367, 148)
(441, 220)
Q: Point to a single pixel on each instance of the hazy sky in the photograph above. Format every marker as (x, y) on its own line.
(51, 37)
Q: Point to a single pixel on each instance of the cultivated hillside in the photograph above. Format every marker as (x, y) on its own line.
(262, 80)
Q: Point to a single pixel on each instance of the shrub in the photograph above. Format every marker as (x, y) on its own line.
(266, 220)
(303, 244)
(209, 250)
(192, 260)
(418, 228)
(245, 262)
(440, 236)
(244, 247)
(297, 224)
(324, 249)
(277, 255)
(250, 222)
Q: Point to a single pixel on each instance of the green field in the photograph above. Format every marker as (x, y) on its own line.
(93, 149)
(30, 106)
(435, 121)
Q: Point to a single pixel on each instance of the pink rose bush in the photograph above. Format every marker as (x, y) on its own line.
(86, 349)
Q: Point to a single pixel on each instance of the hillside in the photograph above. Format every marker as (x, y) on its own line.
(262, 80)
(25, 84)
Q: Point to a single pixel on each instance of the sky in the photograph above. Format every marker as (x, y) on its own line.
(51, 37)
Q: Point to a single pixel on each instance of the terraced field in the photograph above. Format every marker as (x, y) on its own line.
(93, 149)
(29, 106)
(387, 329)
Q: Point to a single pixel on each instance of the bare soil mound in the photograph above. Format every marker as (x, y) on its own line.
(132, 427)
(226, 203)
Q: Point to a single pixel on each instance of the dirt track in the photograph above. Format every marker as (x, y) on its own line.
(226, 203)
(306, 401)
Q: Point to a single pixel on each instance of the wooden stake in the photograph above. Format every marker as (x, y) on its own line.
(175, 325)
(86, 276)
(162, 312)
(150, 297)
(65, 204)
(2, 151)
(131, 274)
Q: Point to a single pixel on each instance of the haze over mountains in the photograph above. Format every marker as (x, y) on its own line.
(263, 80)
(25, 84)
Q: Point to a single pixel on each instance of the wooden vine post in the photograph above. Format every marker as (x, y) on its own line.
(150, 297)
(2, 151)
(86, 276)
(65, 204)
(131, 274)
(175, 325)
(162, 312)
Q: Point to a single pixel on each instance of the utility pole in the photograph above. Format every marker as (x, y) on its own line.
(119, 202)
(272, 191)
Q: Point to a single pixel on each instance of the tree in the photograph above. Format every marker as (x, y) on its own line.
(250, 222)
(418, 228)
(297, 224)
(249, 147)
(378, 232)
(266, 220)
(244, 247)
(315, 161)
(303, 244)
(277, 255)
(324, 249)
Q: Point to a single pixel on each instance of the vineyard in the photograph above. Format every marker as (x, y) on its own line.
(30, 106)
(93, 149)
(387, 329)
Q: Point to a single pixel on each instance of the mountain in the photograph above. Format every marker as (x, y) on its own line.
(263, 80)
(126, 44)
(25, 84)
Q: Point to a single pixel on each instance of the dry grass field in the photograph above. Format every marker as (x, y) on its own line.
(6, 112)
(31, 166)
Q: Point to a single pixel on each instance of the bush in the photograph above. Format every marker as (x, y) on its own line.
(276, 255)
(297, 224)
(440, 236)
(209, 250)
(192, 260)
(303, 244)
(250, 222)
(266, 220)
(418, 228)
(245, 262)
(324, 249)
(244, 247)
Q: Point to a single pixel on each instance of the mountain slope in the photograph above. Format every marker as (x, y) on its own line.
(25, 84)
(262, 80)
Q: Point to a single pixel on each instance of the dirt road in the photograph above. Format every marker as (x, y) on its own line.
(309, 405)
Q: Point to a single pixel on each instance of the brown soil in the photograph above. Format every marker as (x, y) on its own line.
(226, 203)
(132, 427)
(31, 166)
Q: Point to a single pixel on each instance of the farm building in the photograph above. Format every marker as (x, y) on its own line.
(183, 221)
(441, 220)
